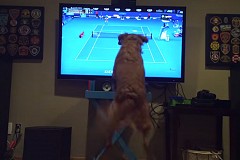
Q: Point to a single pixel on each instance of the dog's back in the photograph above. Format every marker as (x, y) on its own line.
(130, 105)
(128, 72)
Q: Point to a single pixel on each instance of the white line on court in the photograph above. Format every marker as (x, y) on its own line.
(159, 50)
(98, 60)
(84, 46)
(107, 48)
(148, 46)
(94, 44)
(157, 47)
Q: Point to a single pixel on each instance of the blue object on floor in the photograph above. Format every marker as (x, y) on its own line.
(117, 138)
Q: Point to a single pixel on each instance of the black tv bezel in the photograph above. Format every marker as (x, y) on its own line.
(96, 77)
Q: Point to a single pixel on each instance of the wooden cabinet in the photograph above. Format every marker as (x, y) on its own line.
(199, 127)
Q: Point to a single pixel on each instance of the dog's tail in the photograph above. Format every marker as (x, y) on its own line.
(128, 94)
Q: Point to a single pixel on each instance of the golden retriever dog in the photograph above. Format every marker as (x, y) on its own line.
(130, 107)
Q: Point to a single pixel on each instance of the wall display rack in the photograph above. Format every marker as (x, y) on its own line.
(222, 40)
(21, 32)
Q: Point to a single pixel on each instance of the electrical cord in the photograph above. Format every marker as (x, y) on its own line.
(156, 111)
(180, 90)
(156, 115)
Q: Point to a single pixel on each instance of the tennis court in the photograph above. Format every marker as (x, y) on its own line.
(106, 35)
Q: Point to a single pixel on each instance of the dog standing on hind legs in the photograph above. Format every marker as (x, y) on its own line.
(130, 106)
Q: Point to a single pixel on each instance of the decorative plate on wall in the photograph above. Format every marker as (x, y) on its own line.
(21, 32)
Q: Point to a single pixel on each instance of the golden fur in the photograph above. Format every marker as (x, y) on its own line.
(130, 106)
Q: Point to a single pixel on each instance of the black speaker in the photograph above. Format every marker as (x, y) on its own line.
(47, 143)
(104, 84)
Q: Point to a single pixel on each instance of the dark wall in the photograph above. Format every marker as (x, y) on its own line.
(5, 89)
(123, 2)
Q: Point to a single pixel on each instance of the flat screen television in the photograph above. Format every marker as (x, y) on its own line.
(88, 42)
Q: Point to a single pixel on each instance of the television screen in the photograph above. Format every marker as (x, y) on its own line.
(88, 40)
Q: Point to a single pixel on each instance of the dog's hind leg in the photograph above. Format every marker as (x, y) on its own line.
(144, 125)
(113, 120)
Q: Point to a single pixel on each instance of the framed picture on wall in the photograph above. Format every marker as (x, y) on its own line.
(21, 32)
(222, 40)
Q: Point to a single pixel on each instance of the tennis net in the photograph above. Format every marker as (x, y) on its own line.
(98, 34)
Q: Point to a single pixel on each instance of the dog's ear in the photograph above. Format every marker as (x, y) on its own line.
(121, 38)
(144, 39)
